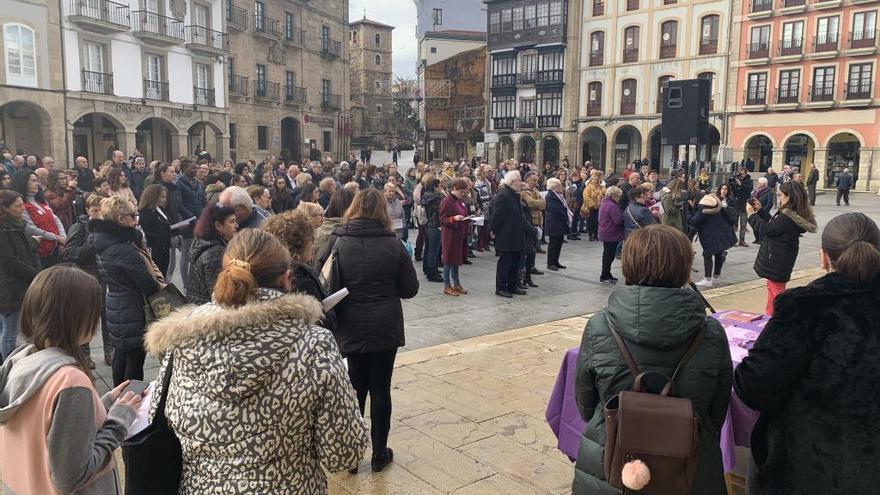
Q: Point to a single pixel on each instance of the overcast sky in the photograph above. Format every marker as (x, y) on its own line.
(402, 15)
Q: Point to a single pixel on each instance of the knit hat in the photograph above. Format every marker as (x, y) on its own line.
(709, 201)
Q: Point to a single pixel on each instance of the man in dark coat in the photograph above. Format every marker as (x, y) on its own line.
(507, 225)
(84, 175)
(741, 190)
(844, 184)
(191, 200)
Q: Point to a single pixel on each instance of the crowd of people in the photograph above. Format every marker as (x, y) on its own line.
(258, 248)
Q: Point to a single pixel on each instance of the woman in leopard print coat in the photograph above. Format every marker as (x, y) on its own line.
(259, 396)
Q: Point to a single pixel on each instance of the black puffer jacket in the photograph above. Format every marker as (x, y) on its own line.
(812, 376)
(507, 221)
(128, 280)
(378, 273)
(19, 265)
(206, 261)
(431, 201)
(780, 241)
(715, 229)
(77, 249)
(305, 280)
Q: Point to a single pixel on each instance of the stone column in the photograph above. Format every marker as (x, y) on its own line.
(223, 147)
(819, 159)
(610, 154)
(868, 170)
(179, 144)
(539, 154)
(127, 140)
(778, 159)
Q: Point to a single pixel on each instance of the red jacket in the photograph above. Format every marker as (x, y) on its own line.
(44, 219)
(453, 238)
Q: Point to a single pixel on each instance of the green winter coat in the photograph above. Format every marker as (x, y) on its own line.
(657, 325)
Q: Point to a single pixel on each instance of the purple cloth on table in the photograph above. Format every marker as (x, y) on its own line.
(562, 413)
(565, 420)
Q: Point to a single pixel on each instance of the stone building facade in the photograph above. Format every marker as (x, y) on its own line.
(31, 85)
(371, 78)
(288, 78)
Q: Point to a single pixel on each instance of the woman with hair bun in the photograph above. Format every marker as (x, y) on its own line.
(812, 373)
(259, 396)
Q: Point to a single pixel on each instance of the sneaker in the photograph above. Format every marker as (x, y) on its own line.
(716, 278)
(614, 280)
(606, 281)
(706, 282)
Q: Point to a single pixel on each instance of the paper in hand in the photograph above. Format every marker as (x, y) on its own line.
(184, 223)
(333, 299)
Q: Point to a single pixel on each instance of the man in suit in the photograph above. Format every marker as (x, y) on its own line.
(844, 184)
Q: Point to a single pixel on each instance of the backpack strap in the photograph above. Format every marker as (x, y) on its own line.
(692, 349)
(627, 356)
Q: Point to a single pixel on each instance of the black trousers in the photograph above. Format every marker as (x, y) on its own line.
(370, 374)
(554, 249)
(593, 223)
(841, 193)
(162, 257)
(128, 365)
(608, 251)
(506, 270)
(719, 262)
(811, 190)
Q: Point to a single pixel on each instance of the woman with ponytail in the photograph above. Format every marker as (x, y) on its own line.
(812, 373)
(259, 396)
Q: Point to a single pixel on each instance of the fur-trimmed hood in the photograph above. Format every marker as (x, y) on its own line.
(233, 349)
(800, 221)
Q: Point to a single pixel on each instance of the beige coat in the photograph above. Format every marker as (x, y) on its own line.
(536, 206)
(593, 194)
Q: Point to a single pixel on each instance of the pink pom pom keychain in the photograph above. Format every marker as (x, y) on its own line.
(636, 475)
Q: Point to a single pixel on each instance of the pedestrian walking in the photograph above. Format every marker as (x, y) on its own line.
(844, 185)
(289, 383)
(799, 373)
(812, 182)
(780, 237)
(453, 238)
(610, 231)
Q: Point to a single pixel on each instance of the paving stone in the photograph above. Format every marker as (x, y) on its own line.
(449, 428)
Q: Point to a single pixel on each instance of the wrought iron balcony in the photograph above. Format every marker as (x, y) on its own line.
(597, 59)
(628, 106)
(268, 91)
(203, 96)
(668, 50)
(594, 109)
(97, 82)
(266, 27)
(753, 96)
(206, 41)
(791, 3)
(859, 89)
(294, 36)
(862, 39)
(157, 29)
(525, 122)
(238, 85)
(791, 46)
(708, 46)
(100, 15)
(503, 80)
(630, 55)
(331, 48)
(759, 50)
(549, 76)
(294, 95)
(331, 101)
(503, 122)
(825, 43)
(762, 5)
(156, 90)
(527, 77)
(545, 121)
(236, 17)
(598, 8)
(822, 92)
(787, 94)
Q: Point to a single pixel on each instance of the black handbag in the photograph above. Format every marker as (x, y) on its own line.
(153, 457)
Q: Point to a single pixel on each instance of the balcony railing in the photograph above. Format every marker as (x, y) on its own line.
(104, 13)
(266, 26)
(597, 59)
(594, 109)
(708, 46)
(155, 90)
(667, 50)
(203, 96)
(549, 120)
(503, 122)
(527, 77)
(822, 92)
(791, 46)
(761, 5)
(860, 89)
(791, 3)
(331, 101)
(630, 55)
(151, 25)
(200, 38)
(753, 96)
(759, 50)
(632, 5)
(97, 82)
(787, 94)
(502, 80)
(825, 43)
(294, 35)
(862, 39)
(525, 122)
(550, 76)
(238, 85)
(598, 8)
(331, 48)
(628, 106)
(236, 18)
(265, 90)
(294, 94)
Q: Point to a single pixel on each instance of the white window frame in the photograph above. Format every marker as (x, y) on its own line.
(20, 78)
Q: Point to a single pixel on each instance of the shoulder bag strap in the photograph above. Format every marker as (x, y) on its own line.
(691, 350)
(631, 217)
(627, 356)
(166, 384)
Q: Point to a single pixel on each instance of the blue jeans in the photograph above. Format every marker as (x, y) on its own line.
(450, 276)
(11, 324)
(431, 260)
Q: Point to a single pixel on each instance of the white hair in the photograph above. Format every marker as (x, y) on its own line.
(613, 192)
(509, 177)
(762, 180)
(236, 196)
(553, 182)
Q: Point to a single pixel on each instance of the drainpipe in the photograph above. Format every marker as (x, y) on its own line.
(870, 170)
(67, 156)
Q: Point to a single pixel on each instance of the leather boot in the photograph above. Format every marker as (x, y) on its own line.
(528, 280)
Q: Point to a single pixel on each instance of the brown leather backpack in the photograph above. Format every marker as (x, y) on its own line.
(658, 429)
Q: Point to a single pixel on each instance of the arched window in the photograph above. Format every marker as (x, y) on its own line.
(21, 55)
(628, 96)
(378, 60)
(709, 35)
(597, 48)
(668, 39)
(594, 99)
(631, 44)
(660, 82)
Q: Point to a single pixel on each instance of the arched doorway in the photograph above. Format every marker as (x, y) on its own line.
(95, 136)
(207, 136)
(155, 139)
(526, 149)
(799, 151)
(551, 150)
(658, 154)
(593, 147)
(843, 152)
(505, 146)
(710, 149)
(760, 149)
(24, 127)
(627, 147)
(291, 139)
